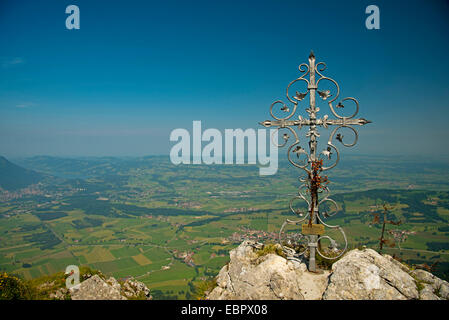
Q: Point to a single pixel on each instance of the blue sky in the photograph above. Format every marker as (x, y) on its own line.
(138, 69)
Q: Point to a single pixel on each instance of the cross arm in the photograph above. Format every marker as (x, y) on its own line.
(342, 122)
(280, 123)
(325, 122)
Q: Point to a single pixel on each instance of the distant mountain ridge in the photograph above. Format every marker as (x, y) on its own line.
(14, 177)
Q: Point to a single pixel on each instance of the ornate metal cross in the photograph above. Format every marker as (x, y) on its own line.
(310, 238)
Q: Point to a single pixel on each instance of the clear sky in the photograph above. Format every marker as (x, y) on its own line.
(138, 69)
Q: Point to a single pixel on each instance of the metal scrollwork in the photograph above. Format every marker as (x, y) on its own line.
(296, 244)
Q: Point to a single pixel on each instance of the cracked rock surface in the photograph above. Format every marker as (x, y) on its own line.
(271, 277)
(434, 287)
(358, 275)
(366, 275)
(96, 288)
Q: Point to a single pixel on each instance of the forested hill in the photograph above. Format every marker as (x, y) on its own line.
(14, 177)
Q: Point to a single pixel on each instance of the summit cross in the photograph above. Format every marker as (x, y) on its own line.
(312, 233)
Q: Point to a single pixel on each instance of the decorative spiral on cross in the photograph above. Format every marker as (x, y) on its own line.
(294, 243)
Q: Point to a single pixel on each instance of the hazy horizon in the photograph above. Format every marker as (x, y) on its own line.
(282, 157)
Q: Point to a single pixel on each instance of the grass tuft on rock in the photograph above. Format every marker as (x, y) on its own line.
(270, 248)
(203, 288)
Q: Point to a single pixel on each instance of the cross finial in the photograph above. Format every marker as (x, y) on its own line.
(312, 55)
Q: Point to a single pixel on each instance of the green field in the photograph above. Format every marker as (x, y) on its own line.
(173, 226)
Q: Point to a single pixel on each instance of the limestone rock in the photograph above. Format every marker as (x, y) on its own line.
(358, 275)
(60, 294)
(114, 283)
(136, 288)
(95, 288)
(428, 293)
(367, 275)
(270, 277)
(434, 287)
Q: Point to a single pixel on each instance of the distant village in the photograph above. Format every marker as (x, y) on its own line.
(32, 190)
(251, 234)
(37, 190)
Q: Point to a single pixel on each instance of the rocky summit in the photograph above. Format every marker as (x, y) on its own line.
(358, 275)
(98, 288)
(249, 276)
